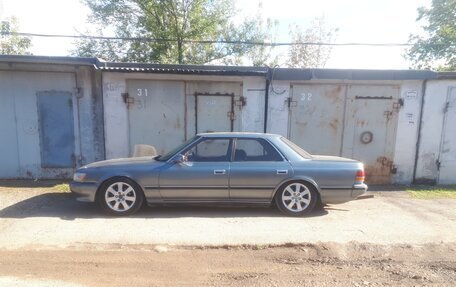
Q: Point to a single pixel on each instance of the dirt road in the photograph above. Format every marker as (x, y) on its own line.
(351, 264)
(49, 239)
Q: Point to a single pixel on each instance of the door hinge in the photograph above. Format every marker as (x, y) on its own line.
(388, 114)
(445, 109)
(291, 103)
(78, 92)
(438, 163)
(398, 105)
(231, 116)
(127, 99)
(241, 102)
(393, 169)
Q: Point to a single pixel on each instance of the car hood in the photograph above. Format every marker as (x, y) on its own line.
(330, 158)
(122, 161)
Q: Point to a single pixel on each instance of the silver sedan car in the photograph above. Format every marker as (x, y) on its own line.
(223, 168)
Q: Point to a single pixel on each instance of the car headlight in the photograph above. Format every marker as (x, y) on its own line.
(79, 176)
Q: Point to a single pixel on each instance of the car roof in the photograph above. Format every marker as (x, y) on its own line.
(237, 135)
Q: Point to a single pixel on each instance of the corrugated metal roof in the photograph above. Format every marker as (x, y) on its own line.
(277, 74)
(447, 75)
(349, 74)
(49, 60)
(183, 69)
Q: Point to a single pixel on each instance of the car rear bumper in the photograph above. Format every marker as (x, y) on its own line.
(85, 191)
(358, 189)
(331, 195)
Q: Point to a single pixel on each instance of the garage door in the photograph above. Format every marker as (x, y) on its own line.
(156, 114)
(447, 168)
(20, 143)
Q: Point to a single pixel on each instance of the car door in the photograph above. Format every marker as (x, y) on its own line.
(256, 169)
(204, 176)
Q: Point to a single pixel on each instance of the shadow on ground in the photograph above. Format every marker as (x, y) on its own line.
(32, 183)
(65, 206)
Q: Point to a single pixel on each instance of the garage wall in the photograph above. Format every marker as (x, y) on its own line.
(248, 116)
(21, 148)
(435, 100)
(399, 138)
(407, 131)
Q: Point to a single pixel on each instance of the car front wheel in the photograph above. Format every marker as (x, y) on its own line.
(296, 198)
(120, 196)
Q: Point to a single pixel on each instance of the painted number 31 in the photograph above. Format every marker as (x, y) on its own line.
(306, 96)
(142, 92)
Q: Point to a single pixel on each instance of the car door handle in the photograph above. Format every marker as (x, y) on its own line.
(219, 171)
(282, 171)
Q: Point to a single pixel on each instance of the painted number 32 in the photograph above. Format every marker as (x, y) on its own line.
(306, 96)
(142, 92)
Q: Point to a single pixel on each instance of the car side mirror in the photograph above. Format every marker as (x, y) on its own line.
(180, 159)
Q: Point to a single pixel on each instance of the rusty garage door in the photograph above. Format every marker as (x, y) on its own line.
(356, 121)
(213, 107)
(370, 129)
(156, 111)
(447, 159)
(316, 117)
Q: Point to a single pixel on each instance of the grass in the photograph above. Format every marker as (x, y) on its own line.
(432, 192)
(63, 187)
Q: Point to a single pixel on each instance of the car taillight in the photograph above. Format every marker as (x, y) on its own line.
(360, 176)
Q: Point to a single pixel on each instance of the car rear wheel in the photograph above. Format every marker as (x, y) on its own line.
(296, 198)
(120, 196)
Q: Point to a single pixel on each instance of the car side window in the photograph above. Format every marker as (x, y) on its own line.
(210, 150)
(255, 150)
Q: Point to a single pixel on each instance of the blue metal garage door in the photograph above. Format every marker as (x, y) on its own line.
(55, 112)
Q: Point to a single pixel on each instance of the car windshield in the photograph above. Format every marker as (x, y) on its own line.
(175, 150)
(296, 148)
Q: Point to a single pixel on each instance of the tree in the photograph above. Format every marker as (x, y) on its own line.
(436, 47)
(11, 44)
(310, 56)
(174, 23)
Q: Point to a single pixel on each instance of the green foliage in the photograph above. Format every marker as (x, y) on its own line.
(13, 44)
(432, 192)
(179, 20)
(310, 56)
(436, 47)
(63, 187)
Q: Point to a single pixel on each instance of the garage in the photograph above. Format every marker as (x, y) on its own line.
(50, 116)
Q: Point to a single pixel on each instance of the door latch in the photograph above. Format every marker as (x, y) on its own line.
(231, 116)
(291, 103)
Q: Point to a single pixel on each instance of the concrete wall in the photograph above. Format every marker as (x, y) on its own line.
(407, 131)
(20, 140)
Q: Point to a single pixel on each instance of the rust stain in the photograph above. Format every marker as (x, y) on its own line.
(379, 172)
(361, 123)
(334, 94)
(177, 124)
(334, 124)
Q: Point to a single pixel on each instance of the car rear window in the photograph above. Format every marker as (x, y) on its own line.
(296, 148)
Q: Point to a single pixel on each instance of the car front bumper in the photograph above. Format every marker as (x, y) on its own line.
(85, 191)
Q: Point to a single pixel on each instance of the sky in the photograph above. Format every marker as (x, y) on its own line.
(366, 21)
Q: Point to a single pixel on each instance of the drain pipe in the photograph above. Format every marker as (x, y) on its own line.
(418, 140)
(266, 104)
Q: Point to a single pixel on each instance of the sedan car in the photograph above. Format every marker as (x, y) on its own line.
(223, 168)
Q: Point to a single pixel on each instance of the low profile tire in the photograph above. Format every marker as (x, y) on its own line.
(296, 198)
(120, 196)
